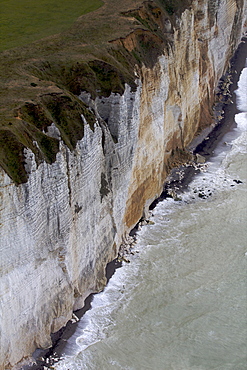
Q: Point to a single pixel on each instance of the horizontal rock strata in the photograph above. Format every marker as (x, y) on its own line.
(65, 218)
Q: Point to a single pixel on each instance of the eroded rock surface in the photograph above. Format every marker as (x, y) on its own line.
(61, 227)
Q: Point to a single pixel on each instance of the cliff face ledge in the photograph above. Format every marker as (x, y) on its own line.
(61, 227)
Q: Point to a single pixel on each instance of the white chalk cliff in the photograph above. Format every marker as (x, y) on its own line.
(60, 228)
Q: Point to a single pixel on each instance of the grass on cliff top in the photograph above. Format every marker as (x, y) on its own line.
(25, 21)
(40, 81)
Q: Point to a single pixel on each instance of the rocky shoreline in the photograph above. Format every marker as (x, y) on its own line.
(201, 148)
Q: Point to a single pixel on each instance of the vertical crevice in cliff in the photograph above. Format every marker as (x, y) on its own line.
(68, 173)
(213, 6)
(181, 130)
(104, 188)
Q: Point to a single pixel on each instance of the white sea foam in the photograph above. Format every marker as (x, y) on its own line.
(241, 120)
(158, 307)
(97, 327)
(92, 328)
(241, 92)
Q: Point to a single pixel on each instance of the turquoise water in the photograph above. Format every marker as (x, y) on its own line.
(181, 302)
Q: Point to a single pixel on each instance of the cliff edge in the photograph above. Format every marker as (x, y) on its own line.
(91, 123)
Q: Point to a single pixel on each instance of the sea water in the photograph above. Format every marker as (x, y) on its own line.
(180, 304)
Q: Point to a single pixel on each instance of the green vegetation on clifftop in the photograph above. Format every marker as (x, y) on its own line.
(40, 82)
(22, 22)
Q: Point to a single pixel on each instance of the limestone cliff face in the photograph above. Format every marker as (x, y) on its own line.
(61, 227)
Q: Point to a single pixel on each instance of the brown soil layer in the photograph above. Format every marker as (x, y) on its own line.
(40, 82)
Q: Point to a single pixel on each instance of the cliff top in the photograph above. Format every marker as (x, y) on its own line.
(22, 22)
(40, 81)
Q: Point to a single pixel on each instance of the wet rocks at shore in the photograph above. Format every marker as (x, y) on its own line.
(127, 248)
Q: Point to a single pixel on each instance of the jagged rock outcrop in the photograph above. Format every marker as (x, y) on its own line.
(62, 226)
